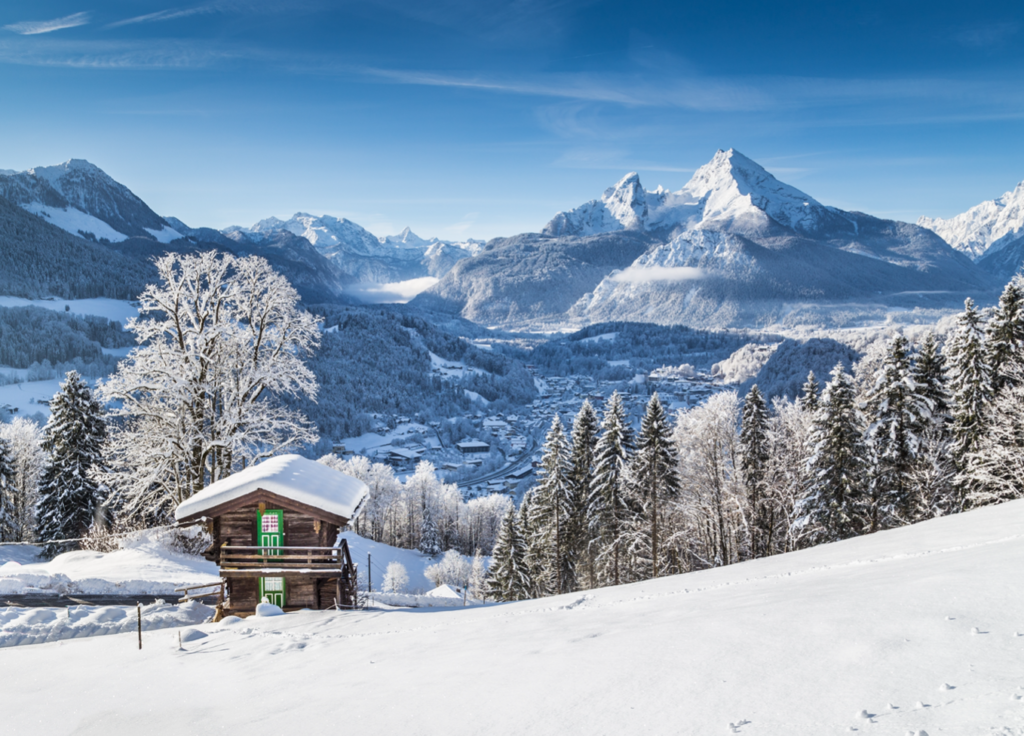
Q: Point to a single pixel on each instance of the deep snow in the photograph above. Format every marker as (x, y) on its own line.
(145, 566)
(872, 634)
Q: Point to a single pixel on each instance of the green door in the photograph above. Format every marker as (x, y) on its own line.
(273, 590)
(270, 524)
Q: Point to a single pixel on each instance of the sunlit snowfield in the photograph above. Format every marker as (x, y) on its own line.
(910, 630)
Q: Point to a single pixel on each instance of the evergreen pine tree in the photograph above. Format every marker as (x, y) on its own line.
(9, 526)
(508, 579)
(536, 552)
(754, 456)
(1004, 336)
(833, 506)
(898, 414)
(430, 538)
(654, 473)
(971, 389)
(929, 374)
(610, 509)
(935, 472)
(70, 497)
(809, 393)
(550, 511)
(581, 478)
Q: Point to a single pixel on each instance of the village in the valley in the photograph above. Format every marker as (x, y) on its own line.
(506, 450)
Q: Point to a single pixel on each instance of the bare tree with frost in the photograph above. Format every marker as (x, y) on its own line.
(24, 439)
(221, 342)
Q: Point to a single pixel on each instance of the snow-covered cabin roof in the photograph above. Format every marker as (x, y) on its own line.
(289, 476)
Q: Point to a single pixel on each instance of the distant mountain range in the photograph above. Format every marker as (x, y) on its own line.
(734, 247)
(991, 233)
(324, 256)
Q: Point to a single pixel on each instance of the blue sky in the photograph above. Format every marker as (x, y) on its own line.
(463, 118)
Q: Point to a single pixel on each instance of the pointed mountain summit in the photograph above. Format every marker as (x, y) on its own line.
(985, 228)
(729, 192)
(82, 199)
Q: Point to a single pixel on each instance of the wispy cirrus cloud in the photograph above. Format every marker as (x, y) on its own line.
(34, 27)
(119, 55)
(219, 6)
(164, 15)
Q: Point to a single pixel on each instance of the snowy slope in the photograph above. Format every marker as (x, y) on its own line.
(907, 631)
(984, 228)
(78, 196)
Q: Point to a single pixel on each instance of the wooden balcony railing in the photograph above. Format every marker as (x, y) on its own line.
(285, 558)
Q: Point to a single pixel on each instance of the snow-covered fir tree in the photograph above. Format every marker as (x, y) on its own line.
(552, 504)
(898, 413)
(754, 457)
(929, 374)
(70, 497)
(611, 508)
(934, 474)
(654, 476)
(581, 479)
(508, 578)
(809, 393)
(833, 508)
(995, 468)
(1004, 334)
(9, 531)
(970, 386)
(430, 540)
(478, 575)
(536, 554)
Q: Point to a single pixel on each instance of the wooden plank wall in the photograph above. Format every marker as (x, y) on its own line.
(300, 592)
(238, 528)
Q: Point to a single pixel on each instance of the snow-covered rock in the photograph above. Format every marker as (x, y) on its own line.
(359, 253)
(728, 191)
(81, 198)
(984, 228)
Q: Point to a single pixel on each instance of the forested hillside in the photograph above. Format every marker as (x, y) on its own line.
(40, 260)
(31, 335)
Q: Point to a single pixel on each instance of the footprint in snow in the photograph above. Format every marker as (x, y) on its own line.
(921, 704)
(864, 715)
(947, 686)
(735, 727)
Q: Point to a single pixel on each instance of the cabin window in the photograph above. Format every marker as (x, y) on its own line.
(273, 590)
(271, 531)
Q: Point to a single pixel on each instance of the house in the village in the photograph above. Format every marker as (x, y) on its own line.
(275, 532)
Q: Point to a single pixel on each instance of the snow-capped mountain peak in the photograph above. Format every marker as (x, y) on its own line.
(730, 191)
(627, 202)
(987, 227)
(81, 198)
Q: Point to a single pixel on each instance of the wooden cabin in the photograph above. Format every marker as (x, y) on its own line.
(275, 530)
